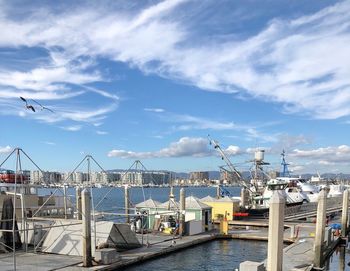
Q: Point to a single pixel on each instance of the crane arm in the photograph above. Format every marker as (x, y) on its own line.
(227, 161)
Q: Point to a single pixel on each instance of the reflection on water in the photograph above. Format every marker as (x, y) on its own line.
(340, 260)
(215, 255)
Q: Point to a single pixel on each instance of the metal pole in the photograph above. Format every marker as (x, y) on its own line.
(86, 204)
(320, 227)
(218, 194)
(127, 203)
(78, 202)
(276, 228)
(182, 212)
(65, 200)
(89, 180)
(14, 214)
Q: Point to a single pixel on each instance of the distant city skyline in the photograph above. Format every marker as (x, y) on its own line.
(149, 80)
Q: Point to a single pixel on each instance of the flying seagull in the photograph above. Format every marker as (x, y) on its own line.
(28, 106)
(42, 107)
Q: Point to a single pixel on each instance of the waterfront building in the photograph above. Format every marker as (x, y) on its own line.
(199, 176)
(196, 211)
(37, 176)
(147, 177)
(222, 206)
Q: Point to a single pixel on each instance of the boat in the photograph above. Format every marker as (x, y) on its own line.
(9, 176)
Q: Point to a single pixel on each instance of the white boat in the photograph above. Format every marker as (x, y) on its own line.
(292, 194)
(309, 190)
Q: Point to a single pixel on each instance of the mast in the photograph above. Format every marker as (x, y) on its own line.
(284, 164)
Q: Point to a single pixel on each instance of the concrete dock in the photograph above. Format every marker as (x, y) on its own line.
(297, 255)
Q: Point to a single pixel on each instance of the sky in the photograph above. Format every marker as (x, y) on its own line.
(150, 80)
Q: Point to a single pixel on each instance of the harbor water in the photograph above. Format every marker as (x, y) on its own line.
(215, 256)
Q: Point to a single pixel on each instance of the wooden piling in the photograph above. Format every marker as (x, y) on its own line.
(182, 212)
(86, 204)
(127, 203)
(320, 229)
(345, 213)
(276, 227)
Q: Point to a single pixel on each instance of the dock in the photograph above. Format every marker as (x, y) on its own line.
(297, 255)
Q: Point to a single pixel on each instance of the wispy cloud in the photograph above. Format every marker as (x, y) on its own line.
(155, 110)
(73, 128)
(49, 143)
(101, 132)
(291, 62)
(5, 150)
(339, 154)
(186, 146)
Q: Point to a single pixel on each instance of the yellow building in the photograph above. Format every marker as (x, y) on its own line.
(222, 206)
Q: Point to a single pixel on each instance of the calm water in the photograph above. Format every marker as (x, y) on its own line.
(115, 199)
(216, 255)
(340, 260)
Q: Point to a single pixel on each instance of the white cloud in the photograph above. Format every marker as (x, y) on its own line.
(101, 132)
(300, 63)
(49, 143)
(73, 128)
(186, 146)
(155, 110)
(232, 150)
(325, 155)
(5, 150)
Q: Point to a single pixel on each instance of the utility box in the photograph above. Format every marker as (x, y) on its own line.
(251, 266)
(106, 255)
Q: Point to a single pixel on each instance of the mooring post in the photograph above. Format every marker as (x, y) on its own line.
(182, 212)
(65, 200)
(320, 229)
(345, 213)
(276, 227)
(86, 204)
(126, 203)
(78, 202)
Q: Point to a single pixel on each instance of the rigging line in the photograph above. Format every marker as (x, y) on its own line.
(31, 160)
(110, 190)
(8, 157)
(143, 191)
(69, 175)
(104, 171)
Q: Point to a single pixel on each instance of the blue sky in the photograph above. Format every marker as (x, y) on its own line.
(149, 80)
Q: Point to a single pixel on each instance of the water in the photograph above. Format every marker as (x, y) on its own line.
(216, 255)
(114, 202)
(340, 260)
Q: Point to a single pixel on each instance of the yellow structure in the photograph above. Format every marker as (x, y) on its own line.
(222, 206)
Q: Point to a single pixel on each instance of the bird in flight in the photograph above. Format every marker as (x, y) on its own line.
(29, 106)
(42, 107)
